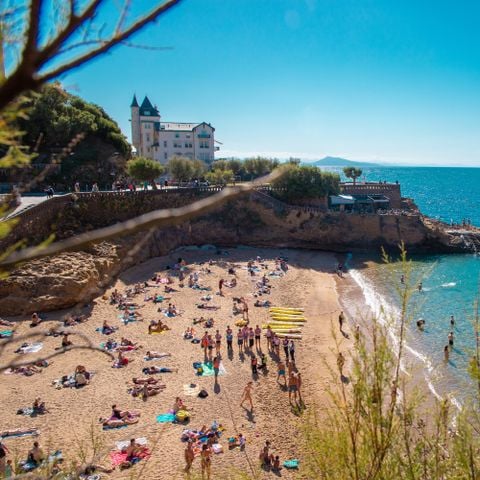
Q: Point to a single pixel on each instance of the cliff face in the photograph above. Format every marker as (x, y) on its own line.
(71, 278)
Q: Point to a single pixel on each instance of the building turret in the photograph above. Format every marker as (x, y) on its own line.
(135, 120)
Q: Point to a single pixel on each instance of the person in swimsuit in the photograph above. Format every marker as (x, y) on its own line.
(446, 353)
(251, 338)
(189, 456)
(240, 340)
(65, 341)
(229, 337)
(218, 342)
(258, 333)
(269, 335)
(216, 366)
(220, 286)
(452, 321)
(206, 461)
(285, 348)
(253, 364)
(210, 348)
(247, 395)
(291, 349)
(292, 387)
(204, 343)
(450, 339)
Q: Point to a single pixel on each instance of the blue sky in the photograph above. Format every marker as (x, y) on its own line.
(393, 81)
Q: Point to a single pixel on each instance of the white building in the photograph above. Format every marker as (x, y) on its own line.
(161, 140)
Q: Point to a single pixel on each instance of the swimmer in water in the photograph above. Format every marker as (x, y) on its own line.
(450, 339)
(452, 320)
(402, 279)
(446, 352)
(420, 287)
(421, 323)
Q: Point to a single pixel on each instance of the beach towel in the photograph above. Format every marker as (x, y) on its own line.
(6, 333)
(293, 463)
(33, 348)
(118, 458)
(125, 443)
(114, 427)
(166, 418)
(208, 369)
(191, 390)
(54, 457)
(27, 433)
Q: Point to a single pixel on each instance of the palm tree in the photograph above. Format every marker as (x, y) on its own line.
(352, 172)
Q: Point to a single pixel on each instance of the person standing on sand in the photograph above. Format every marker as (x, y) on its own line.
(189, 456)
(247, 395)
(206, 460)
(269, 335)
(258, 335)
(229, 338)
(291, 349)
(218, 342)
(216, 366)
(292, 387)
(285, 348)
(281, 372)
(341, 319)
(299, 387)
(220, 286)
(240, 340)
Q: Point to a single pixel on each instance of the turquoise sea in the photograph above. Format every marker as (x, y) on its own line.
(450, 282)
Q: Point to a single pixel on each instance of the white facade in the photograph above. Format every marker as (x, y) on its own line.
(160, 140)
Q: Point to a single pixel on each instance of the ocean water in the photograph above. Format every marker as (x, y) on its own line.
(450, 282)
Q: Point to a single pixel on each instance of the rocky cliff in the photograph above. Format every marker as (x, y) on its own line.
(78, 277)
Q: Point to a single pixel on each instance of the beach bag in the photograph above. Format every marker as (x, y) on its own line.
(203, 394)
(200, 371)
(182, 415)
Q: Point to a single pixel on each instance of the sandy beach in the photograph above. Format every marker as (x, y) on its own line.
(73, 418)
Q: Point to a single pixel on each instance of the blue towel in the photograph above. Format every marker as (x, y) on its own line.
(166, 418)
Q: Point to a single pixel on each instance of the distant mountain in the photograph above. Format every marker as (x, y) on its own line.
(341, 162)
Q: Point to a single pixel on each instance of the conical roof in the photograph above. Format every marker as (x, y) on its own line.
(134, 101)
(147, 109)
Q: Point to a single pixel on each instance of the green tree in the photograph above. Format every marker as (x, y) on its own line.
(181, 168)
(353, 173)
(220, 177)
(304, 182)
(59, 122)
(258, 166)
(144, 170)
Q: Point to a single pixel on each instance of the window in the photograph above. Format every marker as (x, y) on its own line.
(187, 136)
(177, 135)
(165, 144)
(188, 145)
(165, 155)
(148, 137)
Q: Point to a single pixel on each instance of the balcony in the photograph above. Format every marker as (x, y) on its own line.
(203, 135)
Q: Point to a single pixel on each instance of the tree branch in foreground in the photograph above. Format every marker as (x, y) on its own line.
(157, 218)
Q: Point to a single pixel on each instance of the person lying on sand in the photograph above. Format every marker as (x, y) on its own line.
(143, 380)
(18, 431)
(6, 323)
(120, 417)
(127, 345)
(73, 320)
(231, 284)
(146, 390)
(90, 469)
(264, 303)
(157, 327)
(205, 306)
(152, 354)
(154, 369)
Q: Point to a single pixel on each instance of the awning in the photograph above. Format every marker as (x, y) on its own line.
(341, 200)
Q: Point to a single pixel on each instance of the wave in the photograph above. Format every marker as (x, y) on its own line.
(389, 315)
(449, 284)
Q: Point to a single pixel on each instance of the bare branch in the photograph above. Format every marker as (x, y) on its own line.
(118, 39)
(123, 15)
(13, 364)
(156, 218)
